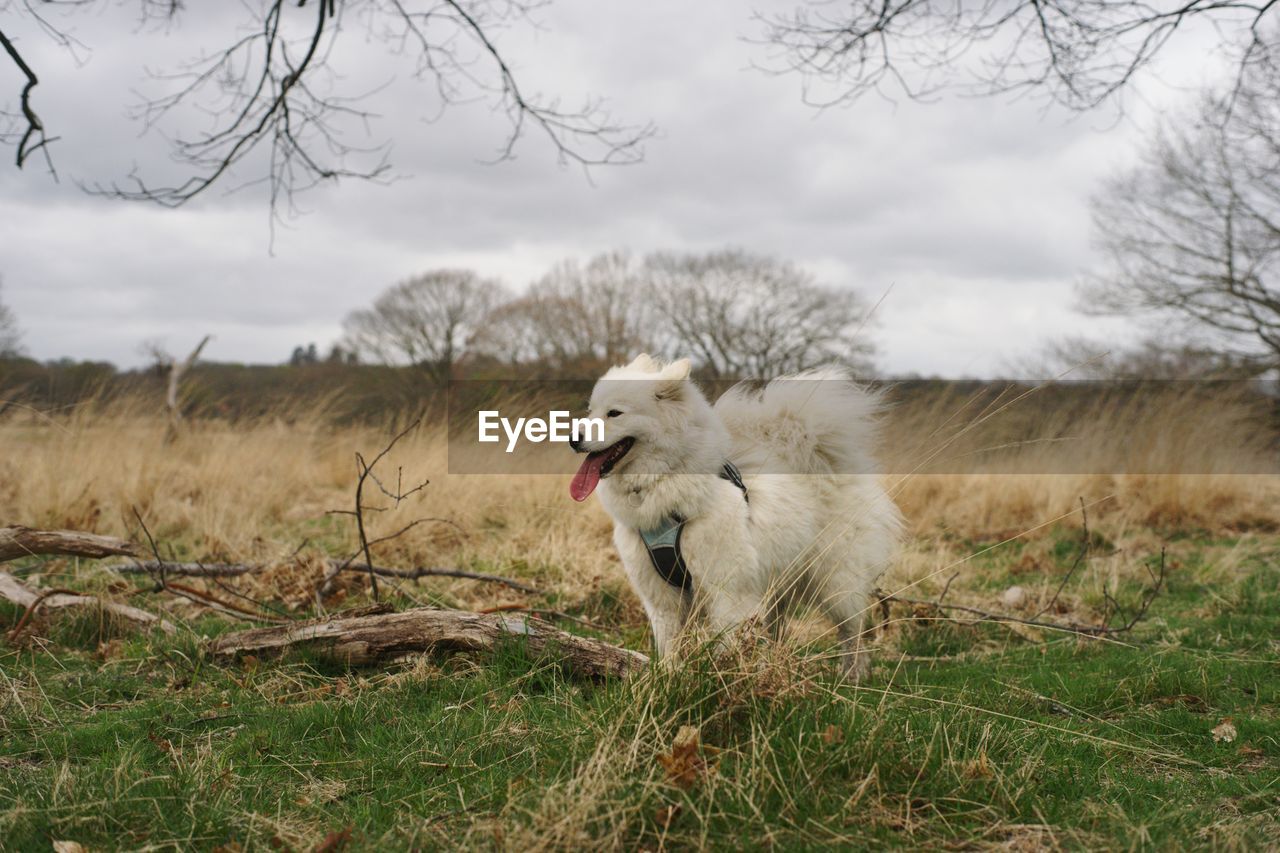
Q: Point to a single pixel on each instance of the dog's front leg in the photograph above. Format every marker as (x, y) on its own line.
(666, 606)
(666, 620)
(728, 610)
(728, 582)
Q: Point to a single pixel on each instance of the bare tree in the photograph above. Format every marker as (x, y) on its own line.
(1080, 52)
(10, 337)
(425, 321)
(1193, 233)
(516, 333)
(743, 315)
(576, 316)
(272, 105)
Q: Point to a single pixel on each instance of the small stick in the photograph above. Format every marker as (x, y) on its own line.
(217, 604)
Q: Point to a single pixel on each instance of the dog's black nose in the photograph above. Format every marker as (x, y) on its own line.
(575, 444)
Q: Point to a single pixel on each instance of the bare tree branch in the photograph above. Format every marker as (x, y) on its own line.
(33, 137)
(1081, 53)
(281, 118)
(1193, 234)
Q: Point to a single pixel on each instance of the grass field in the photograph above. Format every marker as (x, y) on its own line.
(967, 733)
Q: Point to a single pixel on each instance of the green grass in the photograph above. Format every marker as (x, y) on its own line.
(964, 735)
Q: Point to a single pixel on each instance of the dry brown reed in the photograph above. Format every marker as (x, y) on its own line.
(256, 489)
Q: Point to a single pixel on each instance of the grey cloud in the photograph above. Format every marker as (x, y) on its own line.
(975, 210)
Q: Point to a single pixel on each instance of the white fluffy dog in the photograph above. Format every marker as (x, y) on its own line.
(808, 523)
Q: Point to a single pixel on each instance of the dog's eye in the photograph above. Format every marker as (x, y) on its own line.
(612, 413)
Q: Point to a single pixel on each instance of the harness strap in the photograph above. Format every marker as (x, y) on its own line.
(731, 473)
(663, 542)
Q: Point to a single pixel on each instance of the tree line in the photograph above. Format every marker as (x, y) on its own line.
(735, 313)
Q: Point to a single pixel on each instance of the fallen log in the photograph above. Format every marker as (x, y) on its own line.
(378, 638)
(16, 592)
(19, 541)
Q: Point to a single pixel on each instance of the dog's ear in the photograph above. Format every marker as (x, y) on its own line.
(677, 370)
(645, 362)
(673, 381)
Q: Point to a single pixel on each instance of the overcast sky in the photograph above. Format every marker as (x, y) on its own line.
(974, 211)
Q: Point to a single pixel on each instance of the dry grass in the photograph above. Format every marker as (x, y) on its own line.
(261, 491)
(952, 740)
(253, 490)
(243, 489)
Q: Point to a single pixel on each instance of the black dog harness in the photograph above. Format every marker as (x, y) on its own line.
(663, 542)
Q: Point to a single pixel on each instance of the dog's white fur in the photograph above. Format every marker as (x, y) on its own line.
(819, 528)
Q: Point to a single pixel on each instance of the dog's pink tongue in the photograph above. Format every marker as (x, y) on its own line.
(588, 476)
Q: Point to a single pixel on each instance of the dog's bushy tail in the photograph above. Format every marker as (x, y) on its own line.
(816, 422)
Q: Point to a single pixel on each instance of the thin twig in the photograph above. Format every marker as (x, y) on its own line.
(366, 469)
(210, 601)
(538, 611)
(262, 605)
(415, 574)
(946, 587)
(1081, 556)
(231, 570)
(159, 570)
(152, 542)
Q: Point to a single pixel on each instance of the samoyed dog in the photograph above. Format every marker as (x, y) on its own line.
(767, 501)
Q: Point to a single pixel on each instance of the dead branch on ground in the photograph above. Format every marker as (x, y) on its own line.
(19, 541)
(383, 637)
(160, 574)
(542, 612)
(16, 592)
(232, 570)
(424, 572)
